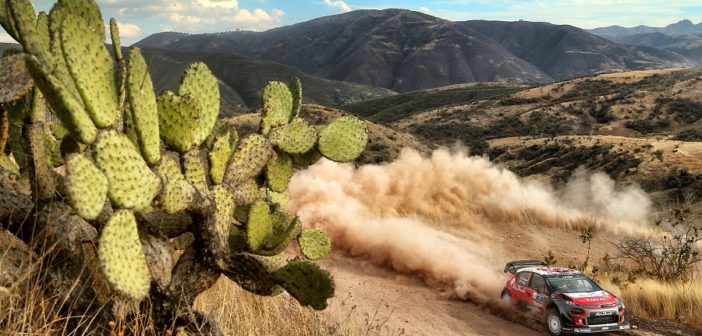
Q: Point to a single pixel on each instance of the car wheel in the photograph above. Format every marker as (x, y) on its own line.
(554, 323)
(506, 298)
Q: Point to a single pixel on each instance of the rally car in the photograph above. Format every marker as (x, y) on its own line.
(566, 300)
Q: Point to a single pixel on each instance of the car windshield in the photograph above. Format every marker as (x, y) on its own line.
(573, 284)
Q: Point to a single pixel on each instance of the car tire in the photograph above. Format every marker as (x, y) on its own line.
(554, 322)
(506, 298)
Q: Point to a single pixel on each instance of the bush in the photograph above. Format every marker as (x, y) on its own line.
(673, 257)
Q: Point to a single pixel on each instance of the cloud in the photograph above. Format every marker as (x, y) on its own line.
(129, 30)
(197, 16)
(425, 10)
(166, 28)
(339, 5)
(227, 4)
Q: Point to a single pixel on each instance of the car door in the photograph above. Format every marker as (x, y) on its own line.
(520, 288)
(539, 293)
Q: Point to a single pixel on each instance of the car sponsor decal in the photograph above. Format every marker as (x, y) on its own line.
(597, 295)
(538, 297)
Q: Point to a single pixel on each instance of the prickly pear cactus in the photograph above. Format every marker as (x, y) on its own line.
(145, 169)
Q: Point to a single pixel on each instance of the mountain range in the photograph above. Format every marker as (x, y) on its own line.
(683, 37)
(403, 50)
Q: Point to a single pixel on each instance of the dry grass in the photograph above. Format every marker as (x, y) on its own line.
(26, 310)
(674, 302)
(240, 313)
(678, 302)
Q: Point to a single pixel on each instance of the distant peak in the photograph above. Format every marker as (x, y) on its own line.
(682, 23)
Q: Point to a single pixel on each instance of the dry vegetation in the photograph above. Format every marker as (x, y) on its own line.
(25, 310)
(668, 301)
(240, 313)
(677, 302)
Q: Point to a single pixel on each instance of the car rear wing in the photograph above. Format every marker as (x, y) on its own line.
(514, 266)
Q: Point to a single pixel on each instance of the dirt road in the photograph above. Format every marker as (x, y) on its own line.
(392, 304)
(386, 303)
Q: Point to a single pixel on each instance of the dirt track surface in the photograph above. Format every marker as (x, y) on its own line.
(392, 304)
(386, 303)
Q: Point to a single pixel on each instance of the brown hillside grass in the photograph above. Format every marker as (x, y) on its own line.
(26, 309)
(677, 302)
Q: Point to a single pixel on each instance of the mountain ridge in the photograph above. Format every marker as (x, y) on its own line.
(405, 50)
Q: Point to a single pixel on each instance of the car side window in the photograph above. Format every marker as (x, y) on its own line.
(538, 283)
(523, 278)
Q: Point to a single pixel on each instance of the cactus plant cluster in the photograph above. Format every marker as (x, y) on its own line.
(136, 164)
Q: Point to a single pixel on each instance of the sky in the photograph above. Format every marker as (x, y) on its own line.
(141, 18)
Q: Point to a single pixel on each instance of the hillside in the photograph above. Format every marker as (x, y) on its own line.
(241, 79)
(556, 128)
(689, 45)
(681, 27)
(404, 50)
(396, 49)
(684, 37)
(564, 51)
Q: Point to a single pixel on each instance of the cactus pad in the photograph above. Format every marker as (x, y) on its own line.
(220, 129)
(131, 183)
(66, 106)
(278, 172)
(6, 20)
(296, 90)
(248, 161)
(258, 225)
(344, 139)
(285, 228)
(199, 82)
(241, 214)
(42, 40)
(195, 165)
(143, 111)
(307, 283)
(52, 150)
(86, 186)
(176, 194)
(281, 199)
(120, 252)
(253, 274)
(247, 193)
(219, 157)
(307, 159)
(224, 204)
(177, 115)
(89, 11)
(92, 69)
(237, 239)
(294, 138)
(58, 130)
(114, 36)
(314, 243)
(277, 105)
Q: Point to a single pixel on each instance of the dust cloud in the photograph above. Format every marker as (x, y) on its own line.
(437, 217)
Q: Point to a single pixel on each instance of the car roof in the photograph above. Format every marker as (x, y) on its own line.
(550, 270)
